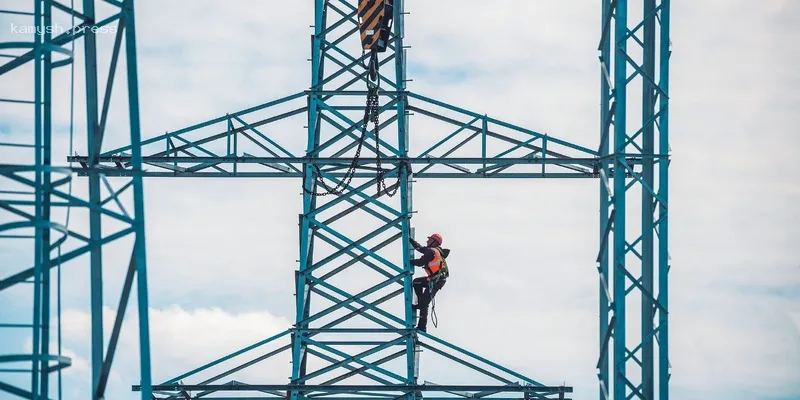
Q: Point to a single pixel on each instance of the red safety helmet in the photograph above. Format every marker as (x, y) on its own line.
(437, 237)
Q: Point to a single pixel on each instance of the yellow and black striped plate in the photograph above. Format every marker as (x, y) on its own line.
(370, 16)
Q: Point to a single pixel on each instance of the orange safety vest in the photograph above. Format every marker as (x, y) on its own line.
(437, 266)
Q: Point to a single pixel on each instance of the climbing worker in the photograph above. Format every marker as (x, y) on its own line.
(425, 287)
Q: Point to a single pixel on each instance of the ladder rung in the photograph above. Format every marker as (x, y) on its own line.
(16, 12)
(17, 101)
(16, 192)
(16, 326)
(16, 144)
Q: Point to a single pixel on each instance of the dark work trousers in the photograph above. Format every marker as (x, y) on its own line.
(424, 297)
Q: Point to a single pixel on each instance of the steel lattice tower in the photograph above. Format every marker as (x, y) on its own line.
(342, 325)
(629, 274)
(33, 189)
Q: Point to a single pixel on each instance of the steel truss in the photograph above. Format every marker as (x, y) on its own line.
(634, 56)
(33, 191)
(354, 333)
(340, 336)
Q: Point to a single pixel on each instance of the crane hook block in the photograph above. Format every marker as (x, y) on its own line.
(374, 22)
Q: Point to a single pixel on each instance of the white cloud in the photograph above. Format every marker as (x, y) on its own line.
(181, 340)
(79, 367)
(795, 318)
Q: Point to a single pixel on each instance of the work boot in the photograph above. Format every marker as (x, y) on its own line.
(422, 323)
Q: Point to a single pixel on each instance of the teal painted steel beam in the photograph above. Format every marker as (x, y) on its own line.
(499, 161)
(376, 388)
(606, 114)
(39, 233)
(30, 210)
(361, 175)
(95, 252)
(618, 255)
(303, 292)
(46, 206)
(664, 51)
(138, 200)
(648, 95)
(405, 182)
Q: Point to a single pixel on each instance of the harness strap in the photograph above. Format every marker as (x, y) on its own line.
(434, 319)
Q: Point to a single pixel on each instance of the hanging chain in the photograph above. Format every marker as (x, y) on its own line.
(373, 70)
(381, 171)
(371, 113)
(348, 176)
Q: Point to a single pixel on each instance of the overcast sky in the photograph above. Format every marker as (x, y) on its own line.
(524, 292)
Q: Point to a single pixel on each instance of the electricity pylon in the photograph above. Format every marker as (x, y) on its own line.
(366, 235)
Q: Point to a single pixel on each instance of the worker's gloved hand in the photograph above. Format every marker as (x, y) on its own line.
(414, 243)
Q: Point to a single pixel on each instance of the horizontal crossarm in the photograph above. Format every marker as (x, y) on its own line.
(453, 143)
(556, 391)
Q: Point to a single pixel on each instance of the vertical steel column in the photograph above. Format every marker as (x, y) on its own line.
(406, 207)
(605, 121)
(39, 226)
(303, 300)
(139, 250)
(650, 370)
(95, 253)
(663, 183)
(619, 253)
(648, 103)
(46, 237)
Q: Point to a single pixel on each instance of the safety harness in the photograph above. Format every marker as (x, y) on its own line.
(443, 272)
